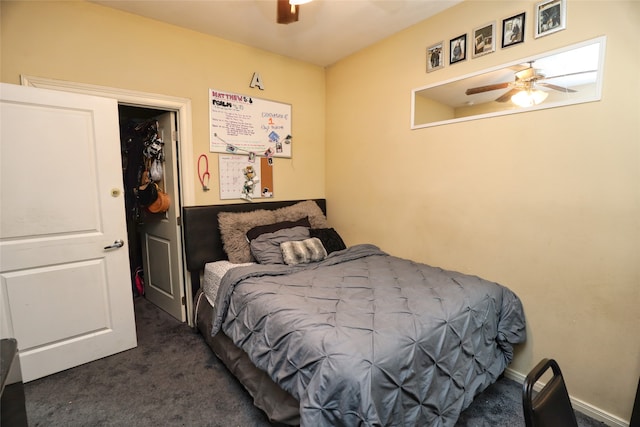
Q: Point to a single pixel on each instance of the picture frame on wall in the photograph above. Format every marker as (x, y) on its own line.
(458, 49)
(484, 40)
(513, 30)
(551, 17)
(435, 57)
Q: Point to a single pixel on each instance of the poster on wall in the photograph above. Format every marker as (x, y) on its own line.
(241, 178)
(245, 125)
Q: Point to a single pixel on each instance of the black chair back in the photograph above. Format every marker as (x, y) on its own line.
(550, 407)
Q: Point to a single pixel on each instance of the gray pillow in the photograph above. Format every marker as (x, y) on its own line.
(303, 251)
(266, 247)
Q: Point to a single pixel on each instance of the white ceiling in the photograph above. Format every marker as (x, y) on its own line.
(327, 30)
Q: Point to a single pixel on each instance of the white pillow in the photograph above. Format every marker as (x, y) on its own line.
(303, 251)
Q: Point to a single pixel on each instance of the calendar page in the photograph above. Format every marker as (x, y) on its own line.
(238, 182)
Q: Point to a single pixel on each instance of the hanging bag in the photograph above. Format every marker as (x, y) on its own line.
(147, 194)
(155, 171)
(162, 202)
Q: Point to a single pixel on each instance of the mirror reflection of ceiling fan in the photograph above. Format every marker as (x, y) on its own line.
(288, 10)
(525, 90)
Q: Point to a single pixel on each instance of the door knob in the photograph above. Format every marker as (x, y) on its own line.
(117, 244)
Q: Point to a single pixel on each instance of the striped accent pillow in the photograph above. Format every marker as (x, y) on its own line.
(303, 251)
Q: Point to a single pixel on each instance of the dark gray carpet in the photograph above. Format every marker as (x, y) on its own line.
(173, 379)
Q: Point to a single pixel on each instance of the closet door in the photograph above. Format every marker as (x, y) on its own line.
(161, 236)
(65, 290)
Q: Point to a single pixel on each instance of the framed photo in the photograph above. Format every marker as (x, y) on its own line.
(484, 40)
(513, 30)
(551, 17)
(435, 57)
(458, 49)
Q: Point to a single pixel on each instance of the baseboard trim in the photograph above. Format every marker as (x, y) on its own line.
(579, 405)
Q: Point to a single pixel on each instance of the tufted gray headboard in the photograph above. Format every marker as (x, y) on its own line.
(202, 242)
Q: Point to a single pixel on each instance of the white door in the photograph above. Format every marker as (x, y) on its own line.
(161, 242)
(65, 290)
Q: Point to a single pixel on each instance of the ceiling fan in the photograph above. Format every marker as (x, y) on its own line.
(288, 10)
(527, 80)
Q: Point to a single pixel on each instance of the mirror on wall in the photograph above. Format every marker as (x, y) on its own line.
(566, 76)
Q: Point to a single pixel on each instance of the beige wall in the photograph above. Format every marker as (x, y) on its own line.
(87, 43)
(547, 202)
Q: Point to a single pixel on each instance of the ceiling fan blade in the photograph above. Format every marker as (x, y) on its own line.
(286, 12)
(570, 74)
(507, 95)
(487, 88)
(556, 87)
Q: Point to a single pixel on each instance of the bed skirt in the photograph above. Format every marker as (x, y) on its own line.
(279, 405)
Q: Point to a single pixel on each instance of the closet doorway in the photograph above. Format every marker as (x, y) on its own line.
(149, 149)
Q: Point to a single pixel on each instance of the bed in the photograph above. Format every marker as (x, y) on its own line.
(321, 334)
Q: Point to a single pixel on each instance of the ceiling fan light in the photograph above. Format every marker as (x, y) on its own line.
(529, 98)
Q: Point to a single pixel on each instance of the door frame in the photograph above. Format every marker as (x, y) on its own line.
(182, 106)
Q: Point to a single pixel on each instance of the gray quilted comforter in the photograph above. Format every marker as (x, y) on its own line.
(367, 339)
